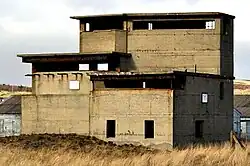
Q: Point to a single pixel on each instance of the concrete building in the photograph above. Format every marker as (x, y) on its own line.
(10, 116)
(237, 122)
(164, 78)
(242, 103)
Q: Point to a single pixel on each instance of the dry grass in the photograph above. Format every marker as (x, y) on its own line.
(6, 94)
(79, 150)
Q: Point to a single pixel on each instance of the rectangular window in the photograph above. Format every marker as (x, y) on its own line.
(83, 67)
(110, 129)
(199, 128)
(144, 85)
(74, 85)
(102, 67)
(204, 98)
(222, 90)
(149, 128)
(210, 25)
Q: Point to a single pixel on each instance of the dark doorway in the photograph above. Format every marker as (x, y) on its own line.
(199, 124)
(149, 128)
(110, 129)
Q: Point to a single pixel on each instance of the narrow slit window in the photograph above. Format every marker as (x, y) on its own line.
(102, 67)
(149, 129)
(144, 84)
(222, 90)
(84, 67)
(110, 129)
(199, 128)
(74, 85)
(87, 27)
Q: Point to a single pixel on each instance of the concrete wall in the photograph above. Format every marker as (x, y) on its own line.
(87, 114)
(130, 108)
(59, 84)
(55, 114)
(164, 50)
(103, 41)
(10, 125)
(217, 114)
(227, 48)
(168, 49)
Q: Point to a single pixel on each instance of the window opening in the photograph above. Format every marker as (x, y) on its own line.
(150, 26)
(222, 90)
(199, 124)
(210, 25)
(110, 129)
(87, 27)
(102, 67)
(149, 128)
(83, 67)
(74, 85)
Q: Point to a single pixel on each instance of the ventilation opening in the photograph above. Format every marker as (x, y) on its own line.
(199, 128)
(222, 90)
(103, 24)
(153, 84)
(174, 24)
(149, 128)
(110, 130)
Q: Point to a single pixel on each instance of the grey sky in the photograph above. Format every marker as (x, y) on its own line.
(33, 26)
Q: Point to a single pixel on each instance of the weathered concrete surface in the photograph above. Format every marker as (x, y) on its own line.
(130, 108)
(103, 41)
(217, 114)
(59, 84)
(55, 114)
(164, 50)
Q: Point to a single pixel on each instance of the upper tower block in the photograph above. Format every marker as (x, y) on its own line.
(196, 42)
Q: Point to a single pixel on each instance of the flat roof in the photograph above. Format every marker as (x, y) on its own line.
(56, 57)
(97, 75)
(156, 15)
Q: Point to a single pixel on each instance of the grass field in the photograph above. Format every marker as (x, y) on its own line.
(79, 150)
(6, 94)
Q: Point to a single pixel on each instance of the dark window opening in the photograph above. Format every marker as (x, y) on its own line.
(149, 83)
(149, 128)
(222, 90)
(226, 25)
(174, 24)
(199, 128)
(103, 24)
(110, 129)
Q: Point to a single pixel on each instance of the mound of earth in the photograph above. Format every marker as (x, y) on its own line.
(73, 142)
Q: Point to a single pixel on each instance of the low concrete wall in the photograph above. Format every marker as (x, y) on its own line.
(130, 108)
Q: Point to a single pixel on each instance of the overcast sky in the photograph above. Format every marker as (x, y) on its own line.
(33, 26)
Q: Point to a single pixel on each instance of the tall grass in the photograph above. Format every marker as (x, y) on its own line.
(206, 156)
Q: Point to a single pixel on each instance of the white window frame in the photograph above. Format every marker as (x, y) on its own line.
(210, 25)
(102, 66)
(74, 85)
(83, 67)
(204, 98)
